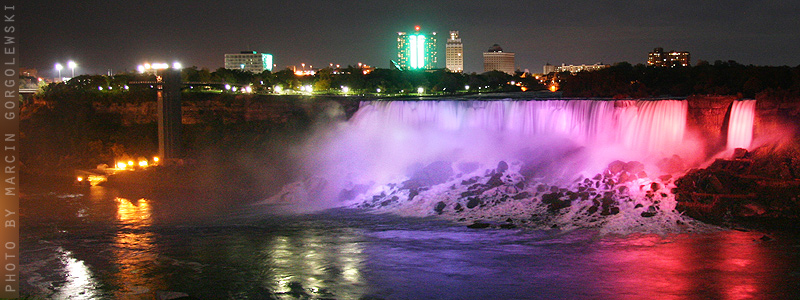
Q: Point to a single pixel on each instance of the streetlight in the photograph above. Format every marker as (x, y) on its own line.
(72, 66)
(59, 67)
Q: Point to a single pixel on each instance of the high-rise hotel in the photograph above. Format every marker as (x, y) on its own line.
(495, 59)
(416, 50)
(454, 53)
(249, 61)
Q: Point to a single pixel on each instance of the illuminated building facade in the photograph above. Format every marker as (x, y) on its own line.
(548, 68)
(496, 59)
(416, 50)
(659, 58)
(249, 61)
(454, 53)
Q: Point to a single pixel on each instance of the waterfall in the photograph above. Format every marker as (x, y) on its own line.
(635, 124)
(740, 125)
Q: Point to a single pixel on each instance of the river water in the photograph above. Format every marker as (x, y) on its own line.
(93, 243)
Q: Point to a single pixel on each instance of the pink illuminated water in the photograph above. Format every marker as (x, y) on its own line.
(740, 127)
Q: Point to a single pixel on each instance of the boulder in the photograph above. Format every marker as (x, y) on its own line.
(616, 166)
(633, 167)
(502, 166)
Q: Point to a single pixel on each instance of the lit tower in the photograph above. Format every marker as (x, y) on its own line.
(416, 50)
(454, 53)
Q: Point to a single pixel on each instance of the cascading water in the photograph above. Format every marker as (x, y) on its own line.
(740, 125)
(542, 163)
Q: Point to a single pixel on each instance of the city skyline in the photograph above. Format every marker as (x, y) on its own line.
(120, 36)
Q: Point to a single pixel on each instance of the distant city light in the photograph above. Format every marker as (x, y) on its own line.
(466, 87)
(121, 165)
(72, 65)
(227, 86)
(59, 67)
(379, 90)
(278, 89)
(177, 66)
(345, 89)
(420, 90)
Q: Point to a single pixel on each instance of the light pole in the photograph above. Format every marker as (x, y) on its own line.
(59, 67)
(72, 65)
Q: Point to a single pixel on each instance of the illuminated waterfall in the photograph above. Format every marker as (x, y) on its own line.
(636, 124)
(740, 126)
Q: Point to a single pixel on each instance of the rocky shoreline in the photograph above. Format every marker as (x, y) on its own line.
(758, 187)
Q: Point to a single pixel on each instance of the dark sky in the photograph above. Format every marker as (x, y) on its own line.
(119, 35)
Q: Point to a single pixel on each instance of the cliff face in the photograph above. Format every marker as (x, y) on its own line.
(228, 110)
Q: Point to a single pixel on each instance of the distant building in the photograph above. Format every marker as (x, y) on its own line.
(249, 61)
(659, 58)
(454, 53)
(496, 59)
(416, 50)
(548, 68)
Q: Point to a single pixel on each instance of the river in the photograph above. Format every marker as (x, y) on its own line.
(92, 243)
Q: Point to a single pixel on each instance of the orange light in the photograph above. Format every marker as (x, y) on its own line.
(553, 88)
(80, 178)
(523, 88)
(416, 28)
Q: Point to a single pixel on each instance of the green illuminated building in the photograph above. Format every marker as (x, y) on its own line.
(416, 50)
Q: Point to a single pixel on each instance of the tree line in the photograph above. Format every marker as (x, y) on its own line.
(624, 80)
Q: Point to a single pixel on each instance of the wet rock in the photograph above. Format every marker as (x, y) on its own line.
(495, 180)
(739, 153)
(624, 177)
(473, 202)
(521, 196)
(541, 188)
(508, 226)
(502, 166)
(470, 181)
(439, 209)
(633, 167)
(616, 166)
(554, 202)
(655, 186)
(478, 225)
(649, 213)
(412, 193)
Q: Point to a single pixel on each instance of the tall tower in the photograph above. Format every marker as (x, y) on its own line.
(454, 53)
(416, 50)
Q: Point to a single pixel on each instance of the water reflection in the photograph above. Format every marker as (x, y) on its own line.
(722, 265)
(79, 282)
(133, 248)
(314, 262)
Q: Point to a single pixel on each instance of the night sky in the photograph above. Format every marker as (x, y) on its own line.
(119, 35)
